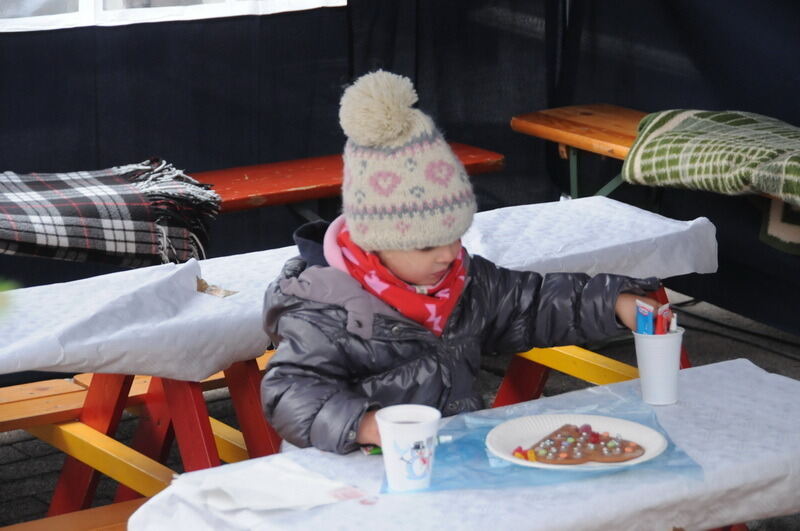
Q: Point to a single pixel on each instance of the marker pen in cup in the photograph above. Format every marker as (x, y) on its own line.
(663, 315)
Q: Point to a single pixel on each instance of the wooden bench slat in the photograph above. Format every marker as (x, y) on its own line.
(108, 517)
(38, 411)
(139, 382)
(277, 183)
(477, 160)
(599, 128)
(17, 393)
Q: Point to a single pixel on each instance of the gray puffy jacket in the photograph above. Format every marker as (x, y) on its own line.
(342, 351)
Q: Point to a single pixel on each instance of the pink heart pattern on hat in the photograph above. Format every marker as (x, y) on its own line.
(384, 182)
(440, 172)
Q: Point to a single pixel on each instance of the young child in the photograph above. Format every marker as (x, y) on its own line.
(385, 307)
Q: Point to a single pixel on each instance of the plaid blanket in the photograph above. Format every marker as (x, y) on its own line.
(134, 215)
(722, 151)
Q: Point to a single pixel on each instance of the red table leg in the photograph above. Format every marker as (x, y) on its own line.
(189, 414)
(102, 410)
(524, 380)
(244, 381)
(154, 434)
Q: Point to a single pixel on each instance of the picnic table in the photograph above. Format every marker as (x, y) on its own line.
(735, 421)
(154, 321)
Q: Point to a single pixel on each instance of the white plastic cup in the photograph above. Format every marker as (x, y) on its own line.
(658, 357)
(408, 442)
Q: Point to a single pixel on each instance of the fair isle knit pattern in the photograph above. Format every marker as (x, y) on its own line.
(403, 187)
(411, 197)
(729, 152)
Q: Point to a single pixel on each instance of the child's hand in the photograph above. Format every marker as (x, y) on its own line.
(626, 308)
(368, 429)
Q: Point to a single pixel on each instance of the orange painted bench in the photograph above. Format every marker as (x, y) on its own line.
(278, 183)
(113, 517)
(601, 128)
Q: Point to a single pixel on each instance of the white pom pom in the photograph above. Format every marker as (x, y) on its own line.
(377, 108)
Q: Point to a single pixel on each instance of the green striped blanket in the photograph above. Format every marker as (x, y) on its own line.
(729, 152)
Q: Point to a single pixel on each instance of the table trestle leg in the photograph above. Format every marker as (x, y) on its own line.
(524, 380)
(244, 382)
(154, 433)
(102, 410)
(192, 426)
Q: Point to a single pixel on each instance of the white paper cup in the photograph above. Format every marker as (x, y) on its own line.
(658, 357)
(408, 442)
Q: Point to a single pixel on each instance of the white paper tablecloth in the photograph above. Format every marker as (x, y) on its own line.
(593, 235)
(739, 422)
(153, 321)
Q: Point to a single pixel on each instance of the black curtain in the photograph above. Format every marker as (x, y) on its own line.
(228, 92)
(203, 95)
(715, 54)
(475, 64)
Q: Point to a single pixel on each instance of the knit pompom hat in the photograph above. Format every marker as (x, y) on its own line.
(403, 186)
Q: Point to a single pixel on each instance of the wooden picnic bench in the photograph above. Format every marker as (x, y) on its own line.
(112, 517)
(278, 183)
(602, 129)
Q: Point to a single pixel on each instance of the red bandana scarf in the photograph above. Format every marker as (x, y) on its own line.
(431, 310)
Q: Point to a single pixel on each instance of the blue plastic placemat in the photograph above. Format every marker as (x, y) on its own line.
(466, 463)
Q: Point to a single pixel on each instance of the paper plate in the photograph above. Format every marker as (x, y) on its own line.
(526, 431)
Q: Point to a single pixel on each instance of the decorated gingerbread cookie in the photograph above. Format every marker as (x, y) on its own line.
(572, 445)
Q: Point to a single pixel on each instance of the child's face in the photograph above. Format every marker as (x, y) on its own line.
(421, 267)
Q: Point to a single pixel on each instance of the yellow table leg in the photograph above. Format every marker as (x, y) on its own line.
(583, 364)
(229, 441)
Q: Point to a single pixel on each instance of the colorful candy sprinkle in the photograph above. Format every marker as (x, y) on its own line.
(572, 444)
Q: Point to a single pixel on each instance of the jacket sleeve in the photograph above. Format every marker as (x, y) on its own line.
(533, 310)
(305, 392)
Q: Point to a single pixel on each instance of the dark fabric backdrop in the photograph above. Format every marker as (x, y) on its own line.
(715, 54)
(218, 93)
